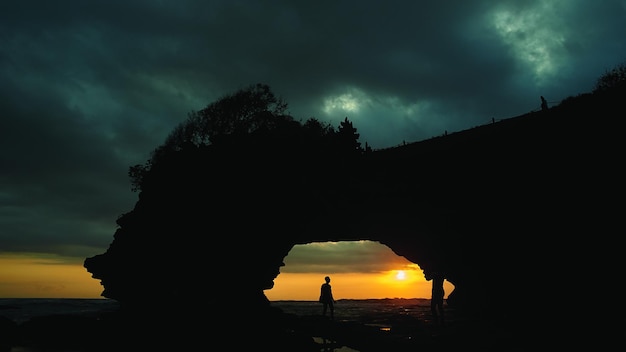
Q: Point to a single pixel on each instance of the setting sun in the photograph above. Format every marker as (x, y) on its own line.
(358, 269)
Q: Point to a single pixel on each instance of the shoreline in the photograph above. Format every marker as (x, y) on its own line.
(369, 332)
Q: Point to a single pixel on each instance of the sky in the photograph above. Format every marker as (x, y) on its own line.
(90, 88)
(358, 270)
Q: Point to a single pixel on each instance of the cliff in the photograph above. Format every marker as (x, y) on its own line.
(519, 215)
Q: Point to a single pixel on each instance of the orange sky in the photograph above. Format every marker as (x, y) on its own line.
(358, 270)
(41, 276)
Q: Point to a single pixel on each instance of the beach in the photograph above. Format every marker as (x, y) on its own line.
(398, 325)
(358, 326)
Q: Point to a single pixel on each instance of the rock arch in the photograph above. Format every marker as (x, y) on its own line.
(488, 205)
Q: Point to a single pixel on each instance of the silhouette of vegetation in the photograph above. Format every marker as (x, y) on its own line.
(254, 113)
(348, 138)
(614, 79)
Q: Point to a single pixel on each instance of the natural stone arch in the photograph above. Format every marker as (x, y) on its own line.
(493, 203)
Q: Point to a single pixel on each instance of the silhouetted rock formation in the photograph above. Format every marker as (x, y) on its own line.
(514, 213)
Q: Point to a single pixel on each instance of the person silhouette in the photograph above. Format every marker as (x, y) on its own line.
(327, 299)
(437, 294)
(544, 103)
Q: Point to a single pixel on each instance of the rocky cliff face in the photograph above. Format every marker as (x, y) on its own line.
(509, 212)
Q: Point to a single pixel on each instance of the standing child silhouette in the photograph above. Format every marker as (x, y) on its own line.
(326, 298)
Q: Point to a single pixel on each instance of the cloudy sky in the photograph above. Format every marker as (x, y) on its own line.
(89, 88)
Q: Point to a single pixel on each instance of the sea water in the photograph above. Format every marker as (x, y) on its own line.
(365, 311)
(383, 314)
(357, 310)
(22, 309)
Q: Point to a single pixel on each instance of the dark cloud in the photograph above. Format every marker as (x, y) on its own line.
(91, 88)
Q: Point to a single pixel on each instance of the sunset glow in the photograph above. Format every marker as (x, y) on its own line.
(356, 274)
(42, 276)
(306, 287)
(358, 270)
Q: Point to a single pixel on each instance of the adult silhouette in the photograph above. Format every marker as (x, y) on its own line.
(327, 299)
(544, 103)
(437, 294)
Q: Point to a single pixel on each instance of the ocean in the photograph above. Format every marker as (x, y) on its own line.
(379, 314)
(22, 309)
(366, 311)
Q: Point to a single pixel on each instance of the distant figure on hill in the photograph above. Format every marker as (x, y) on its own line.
(326, 298)
(436, 299)
(544, 104)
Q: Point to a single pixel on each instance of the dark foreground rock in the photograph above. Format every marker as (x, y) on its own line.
(286, 332)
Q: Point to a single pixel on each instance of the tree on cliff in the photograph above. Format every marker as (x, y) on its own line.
(232, 121)
(348, 137)
(613, 79)
(245, 111)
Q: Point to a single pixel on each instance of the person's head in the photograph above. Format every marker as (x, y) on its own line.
(327, 279)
